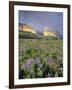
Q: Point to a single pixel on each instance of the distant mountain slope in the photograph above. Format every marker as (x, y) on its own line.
(26, 28)
(27, 31)
(53, 34)
(47, 32)
(23, 34)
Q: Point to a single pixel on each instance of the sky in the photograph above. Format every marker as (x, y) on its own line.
(41, 19)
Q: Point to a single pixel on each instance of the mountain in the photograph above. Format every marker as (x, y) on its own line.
(27, 31)
(26, 28)
(51, 34)
(48, 32)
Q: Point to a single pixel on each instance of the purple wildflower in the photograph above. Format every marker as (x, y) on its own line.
(28, 64)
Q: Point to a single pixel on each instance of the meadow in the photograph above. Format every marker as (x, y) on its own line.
(40, 58)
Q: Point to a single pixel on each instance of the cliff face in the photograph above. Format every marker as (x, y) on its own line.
(26, 28)
(46, 32)
(28, 31)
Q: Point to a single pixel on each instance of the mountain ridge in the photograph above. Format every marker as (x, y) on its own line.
(27, 29)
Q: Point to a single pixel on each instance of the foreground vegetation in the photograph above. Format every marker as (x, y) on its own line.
(40, 58)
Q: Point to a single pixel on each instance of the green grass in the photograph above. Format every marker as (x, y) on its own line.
(43, 56)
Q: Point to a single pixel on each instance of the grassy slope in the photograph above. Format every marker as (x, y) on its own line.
(41, 48)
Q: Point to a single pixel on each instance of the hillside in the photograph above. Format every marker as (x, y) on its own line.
(47, 32)
(26, 28)
(27, 31)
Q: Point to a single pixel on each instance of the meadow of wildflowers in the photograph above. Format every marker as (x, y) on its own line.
(40, 58)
